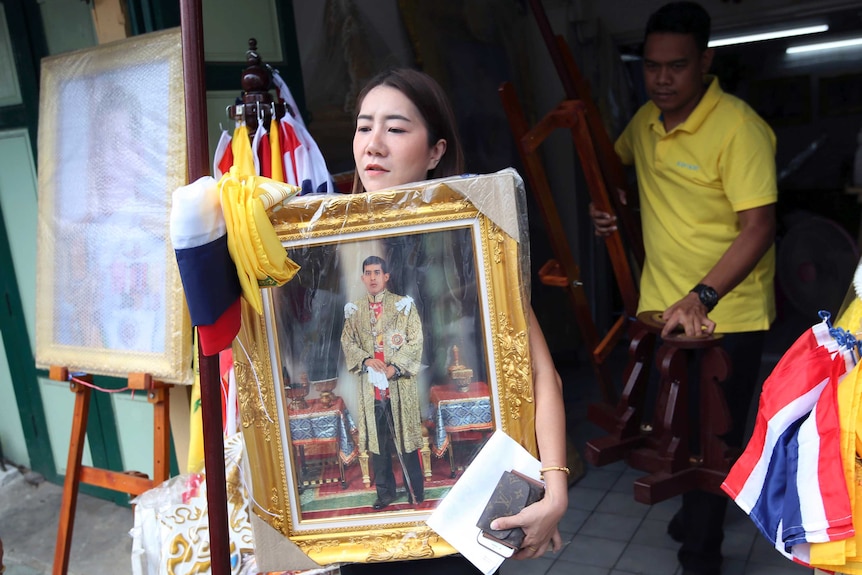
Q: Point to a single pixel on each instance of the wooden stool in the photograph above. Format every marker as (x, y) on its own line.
(663, 449)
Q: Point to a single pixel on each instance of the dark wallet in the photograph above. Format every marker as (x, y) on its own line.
(513, 492)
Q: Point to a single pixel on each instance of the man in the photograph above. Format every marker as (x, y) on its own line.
(382, 343)
(705, 165)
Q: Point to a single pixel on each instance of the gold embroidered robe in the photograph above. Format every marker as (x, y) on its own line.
(402, 346)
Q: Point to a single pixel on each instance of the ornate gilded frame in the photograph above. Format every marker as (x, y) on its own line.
(333, 220)
(110, 299)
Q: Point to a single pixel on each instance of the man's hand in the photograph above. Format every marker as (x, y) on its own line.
(690, 314)
(377, 365)
(605, 223)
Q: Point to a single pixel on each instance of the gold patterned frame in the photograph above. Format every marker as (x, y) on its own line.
(396, 535)
(110, 300)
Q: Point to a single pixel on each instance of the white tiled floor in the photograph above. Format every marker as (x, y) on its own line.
(606, 532)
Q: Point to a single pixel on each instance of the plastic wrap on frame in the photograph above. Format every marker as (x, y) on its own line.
(454, 321)
(111, 151)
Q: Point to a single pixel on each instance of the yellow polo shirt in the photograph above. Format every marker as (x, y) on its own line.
(692, 181)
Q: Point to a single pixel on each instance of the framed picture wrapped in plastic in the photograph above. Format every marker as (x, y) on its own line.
(112, 149)
(372, 377)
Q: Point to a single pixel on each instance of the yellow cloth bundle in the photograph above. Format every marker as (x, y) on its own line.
(260, 259)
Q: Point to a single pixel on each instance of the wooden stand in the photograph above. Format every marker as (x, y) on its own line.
(663, 449)
(130, 482)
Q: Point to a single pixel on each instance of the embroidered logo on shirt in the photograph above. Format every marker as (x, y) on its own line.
(687, 166)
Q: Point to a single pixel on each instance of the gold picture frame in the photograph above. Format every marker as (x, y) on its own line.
(112, 149)
(462, 231)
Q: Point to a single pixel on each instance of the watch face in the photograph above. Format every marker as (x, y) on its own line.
(707, 296)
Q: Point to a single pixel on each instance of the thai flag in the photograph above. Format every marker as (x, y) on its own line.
(789, 393)
(790, 477)
(208, 274)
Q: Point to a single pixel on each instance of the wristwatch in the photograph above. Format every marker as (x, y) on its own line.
(707, 296)
(397, 373)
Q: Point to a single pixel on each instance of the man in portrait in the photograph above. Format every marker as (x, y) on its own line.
(382, 343)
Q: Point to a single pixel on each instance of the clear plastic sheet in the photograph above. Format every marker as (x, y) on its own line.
(111, 152)
(432, 280)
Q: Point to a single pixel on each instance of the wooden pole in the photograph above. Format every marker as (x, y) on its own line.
(191, 19)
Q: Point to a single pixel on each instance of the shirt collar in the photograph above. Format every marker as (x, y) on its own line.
(709, 100)
(376, 298)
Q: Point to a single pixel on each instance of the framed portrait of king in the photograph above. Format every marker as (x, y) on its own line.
(373, 377)
(112, 150)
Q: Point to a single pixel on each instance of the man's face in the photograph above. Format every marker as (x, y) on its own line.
(673, 74)
(374, 279)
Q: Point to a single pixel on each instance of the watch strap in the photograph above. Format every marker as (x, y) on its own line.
(707, 296)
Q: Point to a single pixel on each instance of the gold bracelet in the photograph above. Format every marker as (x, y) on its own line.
(553, 468)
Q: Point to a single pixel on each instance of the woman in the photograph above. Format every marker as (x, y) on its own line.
(405, 132)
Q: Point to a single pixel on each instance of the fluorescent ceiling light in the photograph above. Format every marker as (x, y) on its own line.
(825, 46)
(768, 35)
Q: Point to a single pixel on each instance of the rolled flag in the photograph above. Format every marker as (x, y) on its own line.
(208, 274)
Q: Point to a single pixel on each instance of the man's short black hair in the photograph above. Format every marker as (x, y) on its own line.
(681, 18)
(372, 260)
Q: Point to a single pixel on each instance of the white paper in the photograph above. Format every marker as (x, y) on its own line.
(457, 514)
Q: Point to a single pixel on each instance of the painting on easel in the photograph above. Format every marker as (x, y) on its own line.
(112, 149)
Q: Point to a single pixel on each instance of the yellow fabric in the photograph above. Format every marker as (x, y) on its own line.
(260, 259)
(851, 318)
(842, 555)
(196, 426)
(692, 181)
(240, 146)
(275, 151)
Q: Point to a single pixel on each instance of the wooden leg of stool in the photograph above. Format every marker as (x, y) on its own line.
(714, 413)
(71, 482)
(671, 422)
(623, 419)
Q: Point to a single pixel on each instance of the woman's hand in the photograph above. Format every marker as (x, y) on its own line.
(539, 522)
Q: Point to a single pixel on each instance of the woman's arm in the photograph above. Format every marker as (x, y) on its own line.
(540, 520)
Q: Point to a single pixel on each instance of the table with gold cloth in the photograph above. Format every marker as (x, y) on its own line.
(459, 415)
(328, 426)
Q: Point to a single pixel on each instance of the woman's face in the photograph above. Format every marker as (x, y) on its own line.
(390, 146)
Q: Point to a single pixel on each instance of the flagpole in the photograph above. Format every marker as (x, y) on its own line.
(191, 22)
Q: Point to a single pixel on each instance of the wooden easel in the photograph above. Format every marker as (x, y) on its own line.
(133, 483)
(576, 87)
(563, 271)
(603, 172)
